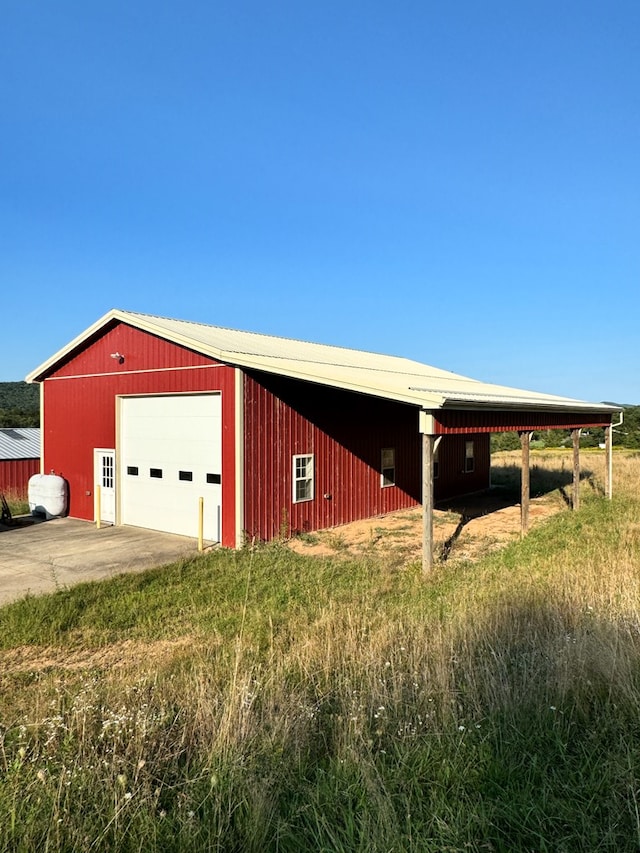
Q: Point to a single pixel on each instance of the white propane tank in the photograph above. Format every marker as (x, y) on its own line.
(47, 495)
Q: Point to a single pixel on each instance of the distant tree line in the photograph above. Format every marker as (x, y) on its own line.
(626, 435)
(19, 404)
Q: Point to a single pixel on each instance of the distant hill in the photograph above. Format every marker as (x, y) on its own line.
(19, 404)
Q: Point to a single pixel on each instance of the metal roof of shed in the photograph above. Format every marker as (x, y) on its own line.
(19, 443)
(387, 376)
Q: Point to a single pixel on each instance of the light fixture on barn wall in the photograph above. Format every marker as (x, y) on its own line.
(118, 356)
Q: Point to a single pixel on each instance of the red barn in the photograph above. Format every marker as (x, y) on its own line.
(19, 459)
(273, 434)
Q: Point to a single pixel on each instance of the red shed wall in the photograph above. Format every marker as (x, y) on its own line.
(80, 407)
(346, 433)
(15, 473)
(452, 479)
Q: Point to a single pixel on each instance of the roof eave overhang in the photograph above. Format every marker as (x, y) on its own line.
(411, 396)
(139, 322)
(420, 401)
(529, 405)
(227, 357)
(50, 364)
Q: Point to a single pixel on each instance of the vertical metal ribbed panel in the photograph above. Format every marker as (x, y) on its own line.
(345, 432)
(15, 473)
(140, 350)
(477, 421)
(452, 478)
(80, 407)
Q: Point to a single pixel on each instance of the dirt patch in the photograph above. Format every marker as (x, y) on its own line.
(114, 656)
(465, 529)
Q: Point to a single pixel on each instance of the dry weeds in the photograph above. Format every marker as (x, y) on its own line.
(469, 527)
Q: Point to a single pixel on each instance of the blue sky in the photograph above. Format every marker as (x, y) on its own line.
(458, 183)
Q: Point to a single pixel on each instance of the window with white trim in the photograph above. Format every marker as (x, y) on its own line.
(303, 478)
(388, 466)
(469, 461)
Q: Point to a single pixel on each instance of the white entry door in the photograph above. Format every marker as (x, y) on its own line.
(104, 476)
(171, 456)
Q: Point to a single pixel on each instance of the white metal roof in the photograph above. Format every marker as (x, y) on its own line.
(385, 376)
(19, 443)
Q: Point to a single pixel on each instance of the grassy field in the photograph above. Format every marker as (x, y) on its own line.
(267, 701)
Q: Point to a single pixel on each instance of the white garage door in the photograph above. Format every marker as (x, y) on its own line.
(170, 456)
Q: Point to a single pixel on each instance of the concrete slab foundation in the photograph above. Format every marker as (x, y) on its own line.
(49, 555)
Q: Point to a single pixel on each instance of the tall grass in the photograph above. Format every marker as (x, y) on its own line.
(17, 501)
(263, 701)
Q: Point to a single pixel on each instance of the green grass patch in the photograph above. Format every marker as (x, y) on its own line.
(266, 701)
(214, 593)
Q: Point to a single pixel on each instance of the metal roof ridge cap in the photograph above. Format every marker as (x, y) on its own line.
(265, 335)
(449, 373)
(356, 367)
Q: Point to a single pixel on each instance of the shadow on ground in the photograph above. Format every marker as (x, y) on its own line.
(505, 492)
(560, 750)
(18, 521)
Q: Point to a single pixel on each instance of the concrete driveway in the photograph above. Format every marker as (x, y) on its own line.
(48, 555)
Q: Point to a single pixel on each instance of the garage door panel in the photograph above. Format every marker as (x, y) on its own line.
(170, 434)
(173, 430)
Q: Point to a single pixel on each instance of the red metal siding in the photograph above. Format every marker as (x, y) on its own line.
(478, 421)
(80, 410)
(452, 478)
(15, 473)
(141, 351)
(346, 433)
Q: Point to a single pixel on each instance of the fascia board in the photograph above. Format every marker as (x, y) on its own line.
(137, 322)
(410, 395)
(530, 405)
(47, 365)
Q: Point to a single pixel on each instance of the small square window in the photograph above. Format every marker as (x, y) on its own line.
(388, 467)
(303, 478)
(215, 479)
(469, 461)
(132, 470)
(156, 473)
(187, 476)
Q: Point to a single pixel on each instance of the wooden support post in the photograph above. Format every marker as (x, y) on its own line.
(200, 524)
(427, 503)
(525, 438)
(575, 437)
(608, 462)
